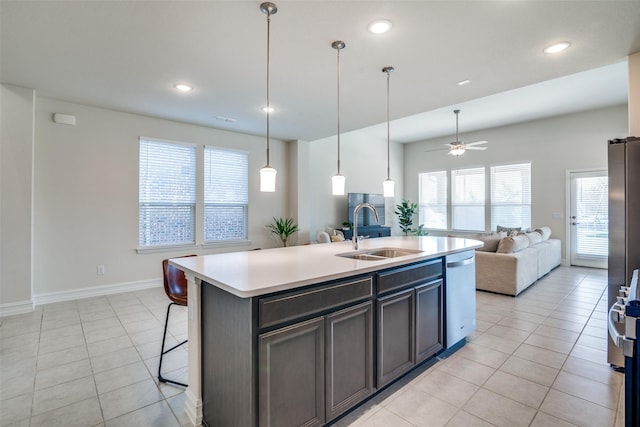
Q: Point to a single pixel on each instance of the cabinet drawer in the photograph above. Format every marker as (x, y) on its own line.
(290, 306)
(409, 276)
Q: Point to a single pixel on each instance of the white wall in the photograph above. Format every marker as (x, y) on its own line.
(86, 196)
(553, 146)
(16, 158)
(634, 94)
(364, 165)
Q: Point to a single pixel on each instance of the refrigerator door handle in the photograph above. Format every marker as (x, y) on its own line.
(616, 336)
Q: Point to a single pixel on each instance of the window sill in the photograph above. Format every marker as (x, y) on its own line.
(173, 248)
(168, 248)
(229, 243)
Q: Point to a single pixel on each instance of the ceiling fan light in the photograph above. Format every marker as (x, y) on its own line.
(457, 151)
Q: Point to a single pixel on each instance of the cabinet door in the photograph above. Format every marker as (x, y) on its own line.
(349, 358)
(291, 370)
(395, 336)
(429, 338)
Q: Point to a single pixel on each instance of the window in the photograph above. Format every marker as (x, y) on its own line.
(433, 200)
(456, 199)
(226, 195)
(167, 194)
(511, 195)
(467, 199)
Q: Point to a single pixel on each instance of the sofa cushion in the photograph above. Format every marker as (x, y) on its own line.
(545, 232)
(534, 238)
(509, 245)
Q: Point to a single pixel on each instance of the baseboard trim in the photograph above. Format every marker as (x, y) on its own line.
(48, 298)
(193, 407)
(19, 307)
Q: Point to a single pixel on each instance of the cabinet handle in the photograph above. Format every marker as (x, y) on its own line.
(460, 263)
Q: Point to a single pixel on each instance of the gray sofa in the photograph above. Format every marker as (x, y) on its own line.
(509, 265)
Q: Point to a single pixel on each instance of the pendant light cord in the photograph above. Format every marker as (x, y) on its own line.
(388, 132)
(338, 76)
(268, 68)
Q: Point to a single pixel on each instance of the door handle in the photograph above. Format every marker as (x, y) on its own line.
(575, 223)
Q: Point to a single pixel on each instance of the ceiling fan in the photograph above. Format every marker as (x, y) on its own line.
(457, 147)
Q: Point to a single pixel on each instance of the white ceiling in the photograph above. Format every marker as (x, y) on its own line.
(127, 55)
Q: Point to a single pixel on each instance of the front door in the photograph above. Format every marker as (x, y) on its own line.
(589, 221)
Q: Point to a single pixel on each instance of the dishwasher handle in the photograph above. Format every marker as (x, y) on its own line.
(460, 263)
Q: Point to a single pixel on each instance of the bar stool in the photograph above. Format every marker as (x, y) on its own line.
(175, 286)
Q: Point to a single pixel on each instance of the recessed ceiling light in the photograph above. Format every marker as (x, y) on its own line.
(557, 47)
(380, 26)
(267, 109)
(464, 82)
(183, 87)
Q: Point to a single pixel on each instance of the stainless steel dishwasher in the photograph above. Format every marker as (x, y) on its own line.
(460, 297)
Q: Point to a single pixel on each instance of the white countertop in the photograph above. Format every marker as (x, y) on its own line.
(252, 273)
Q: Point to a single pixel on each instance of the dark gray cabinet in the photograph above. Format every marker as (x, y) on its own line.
(349, 362)
(314, 370)
(305, 357)
(395, 336)
(291, 375)
(429, 320)
(409, 325)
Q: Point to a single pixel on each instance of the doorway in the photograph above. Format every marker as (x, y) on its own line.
(589, 218)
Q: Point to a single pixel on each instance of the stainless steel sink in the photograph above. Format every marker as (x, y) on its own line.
(379, 254)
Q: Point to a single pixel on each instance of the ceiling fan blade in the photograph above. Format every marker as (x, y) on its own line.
(475, 148)
(476, 143)
(438, 149)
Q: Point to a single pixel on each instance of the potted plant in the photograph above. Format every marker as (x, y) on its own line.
(406, 211)
(283, 228)
(346, 225)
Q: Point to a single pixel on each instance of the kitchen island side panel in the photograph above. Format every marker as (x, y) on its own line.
(229, 359)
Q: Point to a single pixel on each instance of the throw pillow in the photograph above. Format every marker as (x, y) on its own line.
(545, 232)
(509, 245)
(490, 241)
(534, 237)
(509, 230)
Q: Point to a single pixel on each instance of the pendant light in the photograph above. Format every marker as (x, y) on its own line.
(268, 173)
(338, 180)
(388, 184)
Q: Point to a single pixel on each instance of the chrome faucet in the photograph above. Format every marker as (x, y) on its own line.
(355, 238)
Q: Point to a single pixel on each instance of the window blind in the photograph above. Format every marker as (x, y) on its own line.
(167, 193)
(433, 199)
(226, 194)
(467, 199)
(511, 195)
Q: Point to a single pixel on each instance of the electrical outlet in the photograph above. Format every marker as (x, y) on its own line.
(100, 270)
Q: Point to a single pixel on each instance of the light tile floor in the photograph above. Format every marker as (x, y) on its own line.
(535, 360)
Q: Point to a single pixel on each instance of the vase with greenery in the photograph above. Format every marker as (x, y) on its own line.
(283, 228)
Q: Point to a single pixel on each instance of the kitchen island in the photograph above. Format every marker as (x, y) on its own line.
(300, 335)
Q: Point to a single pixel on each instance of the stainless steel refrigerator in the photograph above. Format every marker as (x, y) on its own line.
(624, 223)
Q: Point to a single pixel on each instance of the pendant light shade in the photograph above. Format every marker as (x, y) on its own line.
(338, 180)
(388, 186)
(268, 179)
(268, 173)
